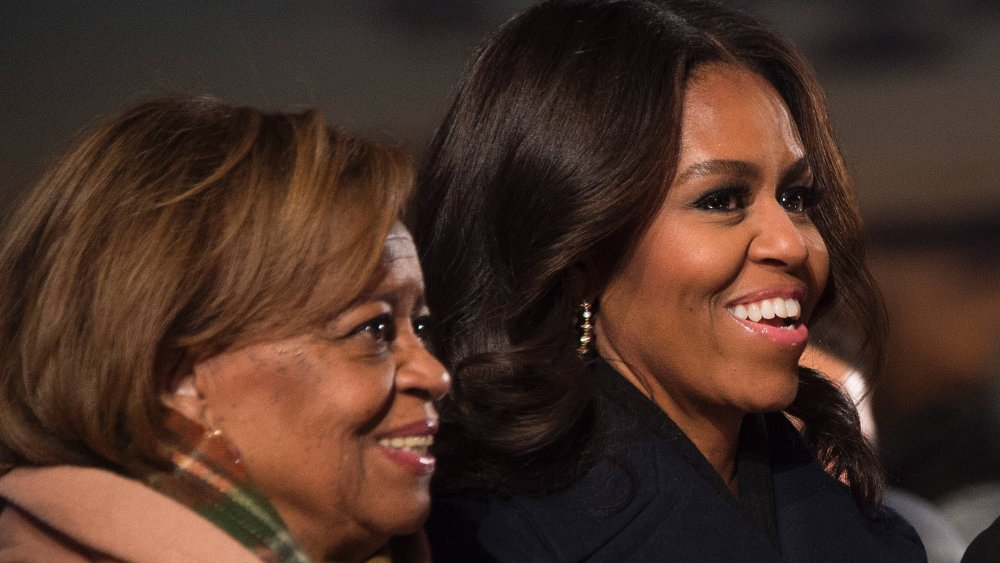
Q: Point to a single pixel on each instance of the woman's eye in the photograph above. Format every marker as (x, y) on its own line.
(379, 329)
(728, 199)
(799, 200)
(423, 327)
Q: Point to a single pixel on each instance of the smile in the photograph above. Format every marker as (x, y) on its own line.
(786, 310)
(776, 319)
(417, 445)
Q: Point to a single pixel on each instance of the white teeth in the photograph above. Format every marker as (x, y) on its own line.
(418, 444)
(780, 309)
(767, 309)
(793, 308)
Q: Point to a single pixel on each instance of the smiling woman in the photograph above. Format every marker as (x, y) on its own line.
(735, 233)
(632, 216)
(215, 334)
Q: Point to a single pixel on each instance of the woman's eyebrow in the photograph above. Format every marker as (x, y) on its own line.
(797, 171)
(741, 169)
(737, 168)
(399, 292)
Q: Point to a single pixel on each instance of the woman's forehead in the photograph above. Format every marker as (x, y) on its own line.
(398, 245)
(399, 270)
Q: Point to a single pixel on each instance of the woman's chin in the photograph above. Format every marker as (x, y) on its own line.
(409, 517)
(775, 397)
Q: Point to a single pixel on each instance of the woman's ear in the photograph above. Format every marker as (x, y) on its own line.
(185, 398)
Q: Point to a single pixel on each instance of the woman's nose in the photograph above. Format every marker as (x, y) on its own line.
(419, 370)
(782, 238)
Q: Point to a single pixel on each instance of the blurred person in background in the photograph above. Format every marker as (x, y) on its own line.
(938, 401)
(937, 405)
(942, 542)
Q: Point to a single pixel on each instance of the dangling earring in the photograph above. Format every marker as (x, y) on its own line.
(585, 327)
(213, 440)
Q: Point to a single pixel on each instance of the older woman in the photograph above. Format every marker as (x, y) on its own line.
(630, 217)
(213, 333)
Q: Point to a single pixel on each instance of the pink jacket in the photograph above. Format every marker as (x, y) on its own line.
(67, 513)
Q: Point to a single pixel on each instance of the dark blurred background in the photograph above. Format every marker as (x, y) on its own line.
(912, 87)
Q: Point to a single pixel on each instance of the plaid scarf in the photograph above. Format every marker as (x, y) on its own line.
(207, 477)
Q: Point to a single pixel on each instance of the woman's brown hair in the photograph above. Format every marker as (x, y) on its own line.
(181, 227)
(554, 157)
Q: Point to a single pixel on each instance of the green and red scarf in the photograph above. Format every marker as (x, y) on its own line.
(209, 478)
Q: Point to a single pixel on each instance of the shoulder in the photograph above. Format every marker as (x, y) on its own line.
(469, 529)
(986, 546)
(23, 538)
(92, 510)
(817, 517)
(638, 504)
(562, 525)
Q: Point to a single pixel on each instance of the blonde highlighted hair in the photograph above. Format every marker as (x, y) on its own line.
(181, 227)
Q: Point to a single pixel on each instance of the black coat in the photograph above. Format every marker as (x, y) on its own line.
(655, 498)
(986, 547)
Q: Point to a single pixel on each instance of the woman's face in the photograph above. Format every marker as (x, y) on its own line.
(334, 426)
(733, 241)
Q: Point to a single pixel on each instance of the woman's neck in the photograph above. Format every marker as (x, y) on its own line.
(718, 444)
(714, 431)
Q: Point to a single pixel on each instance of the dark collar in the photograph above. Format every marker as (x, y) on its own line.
(756, 499)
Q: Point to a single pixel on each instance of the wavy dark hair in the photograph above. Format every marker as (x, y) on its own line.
(557, 151)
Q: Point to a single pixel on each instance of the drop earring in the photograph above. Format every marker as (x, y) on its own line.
(584, 327)
(213, 439)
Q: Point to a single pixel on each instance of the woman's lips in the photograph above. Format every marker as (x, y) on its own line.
(775, 318)
(410, 446)
(792, 335)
